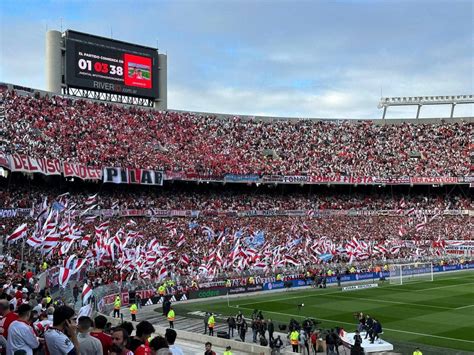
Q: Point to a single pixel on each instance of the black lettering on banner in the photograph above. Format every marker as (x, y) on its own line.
(110, 174)
(158, 178)
(132, 176)
(124, 175)
(146, 177)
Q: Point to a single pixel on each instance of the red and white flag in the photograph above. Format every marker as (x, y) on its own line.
(131, 223)
(19, 233)
(181, 240)
(34, 241)
(86, 293)
(64, 276)
(402, 231)
(91, 200)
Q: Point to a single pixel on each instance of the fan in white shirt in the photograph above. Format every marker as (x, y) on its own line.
(21, 335)
(170, 336)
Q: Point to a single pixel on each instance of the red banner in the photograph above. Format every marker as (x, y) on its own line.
(81, 171)
(28, 164)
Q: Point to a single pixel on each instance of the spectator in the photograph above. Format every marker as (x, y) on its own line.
(100, 322)
(139, 343)
(21, 335)
(208, 349)
(120, 338)
(61, 338)
(8, 316)
(88, 344)
(170, 336)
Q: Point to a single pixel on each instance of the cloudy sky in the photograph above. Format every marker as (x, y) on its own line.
(262, 57)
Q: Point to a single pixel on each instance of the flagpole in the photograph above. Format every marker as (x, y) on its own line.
(22, 251)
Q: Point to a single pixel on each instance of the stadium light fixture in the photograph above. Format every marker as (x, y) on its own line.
(419, 101)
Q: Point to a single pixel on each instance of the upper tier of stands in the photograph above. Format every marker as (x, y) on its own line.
(98, 134)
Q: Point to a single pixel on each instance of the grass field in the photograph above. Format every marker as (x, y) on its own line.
(438, 313)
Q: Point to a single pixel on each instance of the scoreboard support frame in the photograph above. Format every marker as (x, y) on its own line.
(107, 96)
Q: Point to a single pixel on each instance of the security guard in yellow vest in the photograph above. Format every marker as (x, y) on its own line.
(134, 311)
(417, 352)
(294, 337)
(329, 272)
(44, 266)
(117, 305)
(228, 351)
(279, 277)
(170, 317)
(194, 284)
(251, 280)
(162, 290)
(211, 324)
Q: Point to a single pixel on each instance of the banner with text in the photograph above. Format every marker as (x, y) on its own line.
(81, 171)
(28, 164)
(132, 176)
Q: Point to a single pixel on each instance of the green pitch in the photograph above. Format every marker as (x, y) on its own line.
(438, 313)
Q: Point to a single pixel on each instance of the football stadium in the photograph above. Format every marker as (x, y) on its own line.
(136, 220)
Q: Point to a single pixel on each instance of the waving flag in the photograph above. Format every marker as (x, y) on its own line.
(91, 200)
(34, 241)
(325, 257)
(181, 240)
(64, 276)
(19, 233)
(86, 293)
(131, 223)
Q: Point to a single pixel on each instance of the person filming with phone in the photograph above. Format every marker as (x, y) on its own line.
(61, 338)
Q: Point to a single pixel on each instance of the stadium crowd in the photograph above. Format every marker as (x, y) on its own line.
(110, 135)
(199, 243)
(225, 199)
(194, 250)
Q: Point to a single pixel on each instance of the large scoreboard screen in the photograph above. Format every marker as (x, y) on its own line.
(101, 64)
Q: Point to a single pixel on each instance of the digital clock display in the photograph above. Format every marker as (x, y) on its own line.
(112, 67)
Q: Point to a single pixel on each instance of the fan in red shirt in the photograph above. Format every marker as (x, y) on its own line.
(19, 294)
(139, 343)
(98, 332)
(8, 317)
(28, 275)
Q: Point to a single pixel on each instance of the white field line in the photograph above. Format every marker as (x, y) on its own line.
(392, 302)
(437, 288)
(353, 324)
(339, 291)
(464, 307)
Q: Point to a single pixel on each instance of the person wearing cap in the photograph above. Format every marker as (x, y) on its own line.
(228, 351)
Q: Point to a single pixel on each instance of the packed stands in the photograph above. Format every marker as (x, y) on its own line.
(99, 134)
